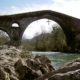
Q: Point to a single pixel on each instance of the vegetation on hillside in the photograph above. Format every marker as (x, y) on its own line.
(54, 41)
(4, 38)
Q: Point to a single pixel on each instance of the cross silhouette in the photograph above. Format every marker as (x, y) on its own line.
(48, 21)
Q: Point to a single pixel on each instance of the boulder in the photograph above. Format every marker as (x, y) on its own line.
(72, 75)
(8, 57)
(71, 71)
(33, 68)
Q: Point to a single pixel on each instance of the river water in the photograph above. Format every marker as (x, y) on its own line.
(58, 59)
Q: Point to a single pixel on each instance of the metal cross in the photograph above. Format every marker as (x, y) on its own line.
(48, 21)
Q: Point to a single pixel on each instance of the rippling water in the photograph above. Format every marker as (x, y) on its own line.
(58, 58)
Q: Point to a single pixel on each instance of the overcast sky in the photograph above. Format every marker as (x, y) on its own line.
(70, 7)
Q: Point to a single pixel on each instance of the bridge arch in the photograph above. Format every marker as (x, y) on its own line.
(63, 20)
(67, 31)
(40, 25)
(15, 25)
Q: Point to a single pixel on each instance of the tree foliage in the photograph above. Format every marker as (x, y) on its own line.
(54, 41)
(3, 38)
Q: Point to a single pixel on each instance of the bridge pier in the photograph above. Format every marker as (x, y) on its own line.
(15, 36)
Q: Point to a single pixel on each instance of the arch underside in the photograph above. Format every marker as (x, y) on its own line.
(68, 24)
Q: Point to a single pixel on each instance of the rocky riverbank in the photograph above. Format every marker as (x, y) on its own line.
(70, 71)
(18, 64)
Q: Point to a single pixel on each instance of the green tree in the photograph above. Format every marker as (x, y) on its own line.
(3, 37)
(58, 39)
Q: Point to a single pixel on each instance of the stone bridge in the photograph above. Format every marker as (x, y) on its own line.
(70, 25)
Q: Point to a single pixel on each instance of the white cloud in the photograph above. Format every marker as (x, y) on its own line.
(70, 7)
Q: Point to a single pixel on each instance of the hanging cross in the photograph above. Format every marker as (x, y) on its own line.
(48, 21)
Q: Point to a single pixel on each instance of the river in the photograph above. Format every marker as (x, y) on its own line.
(58, 59)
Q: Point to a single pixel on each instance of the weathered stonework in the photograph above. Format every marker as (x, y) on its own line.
(70, 25)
